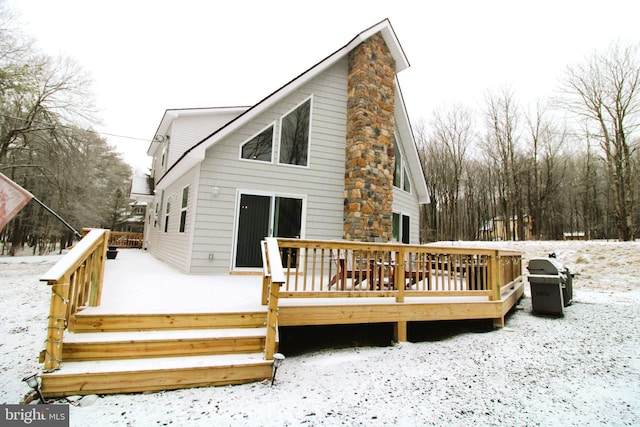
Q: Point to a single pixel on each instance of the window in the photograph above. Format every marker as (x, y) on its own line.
(400, 174)
(166, 216)
(165, 152)
(401, 228)
(294, 138)
(183, 209)
(287, 217)
(406, 185)
(259, 147)
(155, 215)
(397, 172)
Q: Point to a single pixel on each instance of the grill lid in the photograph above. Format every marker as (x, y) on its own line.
(545, 266)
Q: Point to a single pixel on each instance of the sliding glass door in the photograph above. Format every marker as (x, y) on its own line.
(261, 216)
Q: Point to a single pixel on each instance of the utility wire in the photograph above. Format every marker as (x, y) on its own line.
(74, 127)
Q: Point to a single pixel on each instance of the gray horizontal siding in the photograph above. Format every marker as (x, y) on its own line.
(174, 247)
(322, 182)
(190, 129)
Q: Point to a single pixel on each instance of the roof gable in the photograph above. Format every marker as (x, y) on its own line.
(170, 115)
(196, 153)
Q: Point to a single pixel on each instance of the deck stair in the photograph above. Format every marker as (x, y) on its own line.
(124, 353)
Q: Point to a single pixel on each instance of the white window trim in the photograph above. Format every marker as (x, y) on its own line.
(184, 208)
(273, 195)
(156, 214)
(167, 215)
(403, 167)
(273, 145)
(277, 157)
(402, 214)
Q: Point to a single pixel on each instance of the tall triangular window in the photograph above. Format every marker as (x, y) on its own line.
(294, 138)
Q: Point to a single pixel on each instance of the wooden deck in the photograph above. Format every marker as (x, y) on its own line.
(147, 327)
(151, 287)
(329, 282)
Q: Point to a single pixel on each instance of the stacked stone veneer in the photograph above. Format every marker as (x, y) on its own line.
(368, 182)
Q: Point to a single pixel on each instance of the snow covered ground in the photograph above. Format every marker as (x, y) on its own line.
(579, 370)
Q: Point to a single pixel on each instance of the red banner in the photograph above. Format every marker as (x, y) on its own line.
(12, 199)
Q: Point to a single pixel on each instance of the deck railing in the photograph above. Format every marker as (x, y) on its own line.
(125, 240)
(272, 279)
(341, 269)
(76, 283)
(122, 239)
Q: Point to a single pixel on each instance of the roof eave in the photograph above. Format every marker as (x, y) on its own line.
(410, 146)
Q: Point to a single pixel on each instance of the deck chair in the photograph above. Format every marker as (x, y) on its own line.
(417, 269)
(348, 266)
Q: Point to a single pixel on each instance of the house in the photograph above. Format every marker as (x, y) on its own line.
(329, 155)
(133, 216)
(573, 235)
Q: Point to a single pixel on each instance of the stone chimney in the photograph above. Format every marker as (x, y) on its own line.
(368, 181)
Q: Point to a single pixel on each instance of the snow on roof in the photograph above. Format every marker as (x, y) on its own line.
(140, 185)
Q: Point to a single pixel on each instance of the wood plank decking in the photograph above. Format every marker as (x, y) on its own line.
(156, 329)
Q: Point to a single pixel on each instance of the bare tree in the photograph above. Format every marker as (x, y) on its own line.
(452, 132)
(44, 105)
(547, 166)
(428, 159)
(502, 145)
(45, 93)
(605, 90)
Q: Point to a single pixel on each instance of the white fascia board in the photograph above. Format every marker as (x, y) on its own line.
(190, 160)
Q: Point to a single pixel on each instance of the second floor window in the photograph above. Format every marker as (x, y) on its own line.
(400, 174)
(259, 147)
(294, 138)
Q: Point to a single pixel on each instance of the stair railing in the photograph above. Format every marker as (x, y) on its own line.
(272, 278)
(76, 282)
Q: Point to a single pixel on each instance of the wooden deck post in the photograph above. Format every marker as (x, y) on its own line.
(400, 331)
(494, 277)
(399, 275)
(97, 271)
(272, 321)
(56, 324)
(266, 273)
(266, 284)
(496, 285)
(273, 262)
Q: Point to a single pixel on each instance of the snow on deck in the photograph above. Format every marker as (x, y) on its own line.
(138, 283)
(180, 334)
(159, 363)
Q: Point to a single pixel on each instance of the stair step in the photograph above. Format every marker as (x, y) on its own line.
(162, 373)
(145, 344)
(101, 322)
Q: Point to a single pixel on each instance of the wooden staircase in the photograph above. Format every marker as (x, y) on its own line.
(125, 353)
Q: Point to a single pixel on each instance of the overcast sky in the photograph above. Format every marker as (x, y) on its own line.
(148, 56)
